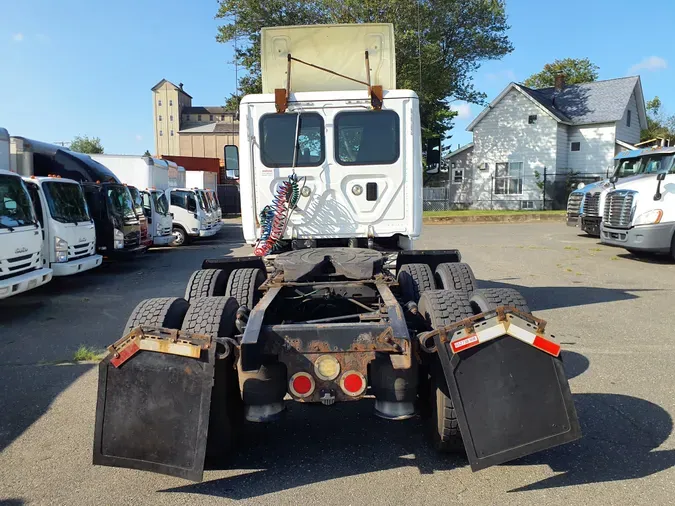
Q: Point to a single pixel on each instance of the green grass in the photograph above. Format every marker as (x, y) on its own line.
(486, 212)
(86, 354)
(571, 248)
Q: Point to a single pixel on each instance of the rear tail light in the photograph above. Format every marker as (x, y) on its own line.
(326, 367)
(301, 385)
(353, 383)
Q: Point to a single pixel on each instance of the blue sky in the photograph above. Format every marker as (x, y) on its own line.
(86, 68)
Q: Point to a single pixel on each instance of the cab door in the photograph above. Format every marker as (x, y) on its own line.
(150, 213)
(40, 212)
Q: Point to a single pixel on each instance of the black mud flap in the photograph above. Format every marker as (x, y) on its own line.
(152, 413)
(511, 400)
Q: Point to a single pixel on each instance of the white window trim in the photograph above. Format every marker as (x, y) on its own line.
(452, 175)
(522, 178)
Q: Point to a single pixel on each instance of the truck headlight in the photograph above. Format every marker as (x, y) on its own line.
(118, 239)
(649, 218)
(61, 250)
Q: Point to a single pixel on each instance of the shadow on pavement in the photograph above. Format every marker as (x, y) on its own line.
(648, 258)
(12, 502)
(314, 444)
(575, 364)
(555, 297)
(620, 435)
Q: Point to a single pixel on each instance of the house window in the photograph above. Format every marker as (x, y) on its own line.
(628, 119)
(159, 103)
(161, 133)
(509, 178)
(576, 146)
(170, 102)
(199, 117)
(532, 119)
(527, 204)
(160, 117)
(211, 117)
(457, 175)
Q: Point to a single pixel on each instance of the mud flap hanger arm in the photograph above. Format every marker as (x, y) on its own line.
(282, 96)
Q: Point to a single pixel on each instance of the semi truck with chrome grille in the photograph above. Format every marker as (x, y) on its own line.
(639, 214)
(334, 304)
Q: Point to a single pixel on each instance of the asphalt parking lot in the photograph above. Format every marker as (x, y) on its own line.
(612, 312)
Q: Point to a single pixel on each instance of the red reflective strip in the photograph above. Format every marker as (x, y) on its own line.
(546, 345)
(125, 354)
(464, 343)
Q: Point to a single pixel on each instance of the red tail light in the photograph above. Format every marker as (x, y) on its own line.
(353, 383)
(301, 384)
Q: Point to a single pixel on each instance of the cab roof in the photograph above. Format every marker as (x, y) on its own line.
(346, 96)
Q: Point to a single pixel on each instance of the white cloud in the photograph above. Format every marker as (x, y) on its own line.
(463, 110)
(17, 37)
(139, 137)
(508, 75)
(649, 64)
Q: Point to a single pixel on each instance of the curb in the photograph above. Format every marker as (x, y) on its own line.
(497, 218)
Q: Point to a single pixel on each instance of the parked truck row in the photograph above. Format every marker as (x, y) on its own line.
(63, 212)
(635, 208)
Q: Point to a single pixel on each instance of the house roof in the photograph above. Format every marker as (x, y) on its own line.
(460, 150)
(207, 110)
(212, 128)
(582, 104)
(159, 85)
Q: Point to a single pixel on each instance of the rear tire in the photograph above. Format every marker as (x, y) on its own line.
(216, 316)
(455, 276)
(415, 279)
(487, 299)
(243, 285)
(167, 312)
(206, 283)
(440, 308)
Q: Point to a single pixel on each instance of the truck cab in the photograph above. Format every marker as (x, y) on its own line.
(137, 200)
(69, 236)
(156, 208)
(212, 213)
(639, 213)
(21, 265)
(190, 215)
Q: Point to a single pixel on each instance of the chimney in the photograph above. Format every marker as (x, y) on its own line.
(180, 85)
(559, 81)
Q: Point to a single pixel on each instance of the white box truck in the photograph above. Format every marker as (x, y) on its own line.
(151, 177)
(205, 182)
(176, 175)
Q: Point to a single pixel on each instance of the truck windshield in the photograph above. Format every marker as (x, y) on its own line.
(161, 203)
(137, 200)
(626, 168)
(15, 206)
(119, 199)
(653, 164)
(202, 200)
(66, 202)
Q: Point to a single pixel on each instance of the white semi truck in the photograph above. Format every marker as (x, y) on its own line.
(639, 214)
(191, 216)
(331, 180)
(150, 176)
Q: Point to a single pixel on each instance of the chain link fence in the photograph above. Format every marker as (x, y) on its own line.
(548, 190)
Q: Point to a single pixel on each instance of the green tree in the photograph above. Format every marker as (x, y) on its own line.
(448, 39)
(576, 70)
(86, 145)
(659, 124)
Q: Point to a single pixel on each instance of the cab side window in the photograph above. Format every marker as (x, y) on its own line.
(179, 199)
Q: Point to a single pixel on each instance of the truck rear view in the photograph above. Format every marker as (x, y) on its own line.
(334, 306)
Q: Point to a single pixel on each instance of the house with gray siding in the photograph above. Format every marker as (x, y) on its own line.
(576, 129)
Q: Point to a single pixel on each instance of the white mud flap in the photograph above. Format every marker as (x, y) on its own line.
(152, 410)
(508, 386)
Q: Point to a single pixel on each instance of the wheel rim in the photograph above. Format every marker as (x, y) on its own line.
(178, 237)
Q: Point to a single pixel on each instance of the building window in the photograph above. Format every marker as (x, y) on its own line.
(576, 146)
(628, 119)
(457, 175)
(159, 103)
(222, 117)
(160, 117)
(171, 118)
(527, 204)
(532, 119)
(170, 102)
(199, 117)
(161, 133)
(211, 117)
(509, 178)
(171, 133)
(187, 117)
